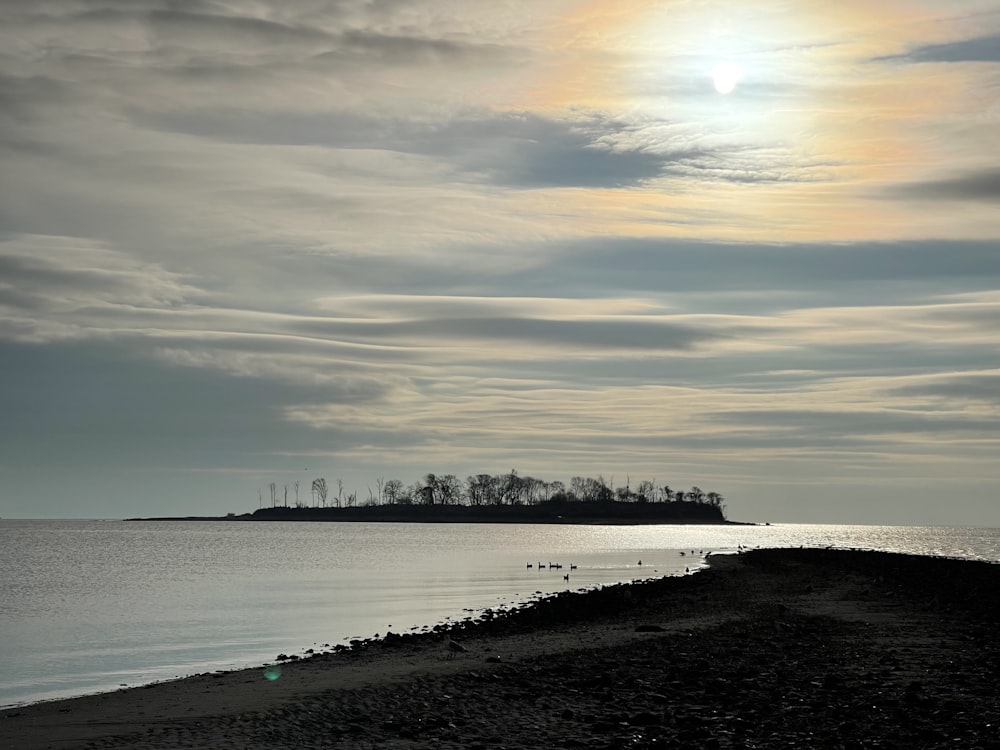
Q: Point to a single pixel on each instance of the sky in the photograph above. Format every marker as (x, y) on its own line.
(275, 240)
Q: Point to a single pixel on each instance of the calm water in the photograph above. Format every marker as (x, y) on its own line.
(89, 606)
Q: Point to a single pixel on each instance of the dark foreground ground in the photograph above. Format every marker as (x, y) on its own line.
(770, 649)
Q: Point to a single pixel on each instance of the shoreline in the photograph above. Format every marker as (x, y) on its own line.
(817, 629)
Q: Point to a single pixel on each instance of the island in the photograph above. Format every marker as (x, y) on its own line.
(610, 512)
(486, 498)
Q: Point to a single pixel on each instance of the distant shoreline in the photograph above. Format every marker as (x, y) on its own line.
(590, 513)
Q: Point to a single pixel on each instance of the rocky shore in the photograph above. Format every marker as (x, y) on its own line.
(769, 649)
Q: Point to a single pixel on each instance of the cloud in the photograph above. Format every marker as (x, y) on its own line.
(821, 273)
(517, 150)
(348, 38)
(513, 149)
(859, 427)
(531, 152)
(841, 428)
(409, 236)
(981, 185)
(637, 300)
(23, 98)
(50, 285)
(214, 31)
(107, 406)
(591, 336)
(978, 49)
(970, 386)
(368, 46)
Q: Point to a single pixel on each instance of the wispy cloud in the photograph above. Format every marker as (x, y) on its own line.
(983, 185)
(403, 236)
(978, 49)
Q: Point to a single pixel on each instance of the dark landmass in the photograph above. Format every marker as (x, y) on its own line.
(776, 649)
(609, 512)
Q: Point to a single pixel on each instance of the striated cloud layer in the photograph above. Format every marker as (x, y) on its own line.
(244, 243)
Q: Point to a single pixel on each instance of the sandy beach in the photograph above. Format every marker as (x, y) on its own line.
(769, 649)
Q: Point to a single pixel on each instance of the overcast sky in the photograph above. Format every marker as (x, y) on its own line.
(268, 241)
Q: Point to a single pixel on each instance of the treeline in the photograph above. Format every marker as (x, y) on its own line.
(481, 490)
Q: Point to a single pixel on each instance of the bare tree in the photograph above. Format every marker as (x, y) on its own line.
(393, 491)
(448, 490)
(479, 489)
(416, 493)
(533, 490)
(511, 488)
(484, 489)
(645, 492)
(319, 491)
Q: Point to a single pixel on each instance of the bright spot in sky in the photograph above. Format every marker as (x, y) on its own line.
(725, 76)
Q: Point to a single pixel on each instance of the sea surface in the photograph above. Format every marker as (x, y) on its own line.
(91, 606)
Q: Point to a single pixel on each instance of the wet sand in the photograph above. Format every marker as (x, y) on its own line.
(769, 649)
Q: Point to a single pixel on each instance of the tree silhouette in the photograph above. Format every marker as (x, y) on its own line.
(715, 500)
(510, 491)
(393, 491)
(319, 492)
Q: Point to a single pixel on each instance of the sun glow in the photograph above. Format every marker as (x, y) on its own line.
(725, 76)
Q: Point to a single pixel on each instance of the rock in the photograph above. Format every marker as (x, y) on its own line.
(645, 719)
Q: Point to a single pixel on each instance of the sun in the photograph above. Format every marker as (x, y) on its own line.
(725, 76)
